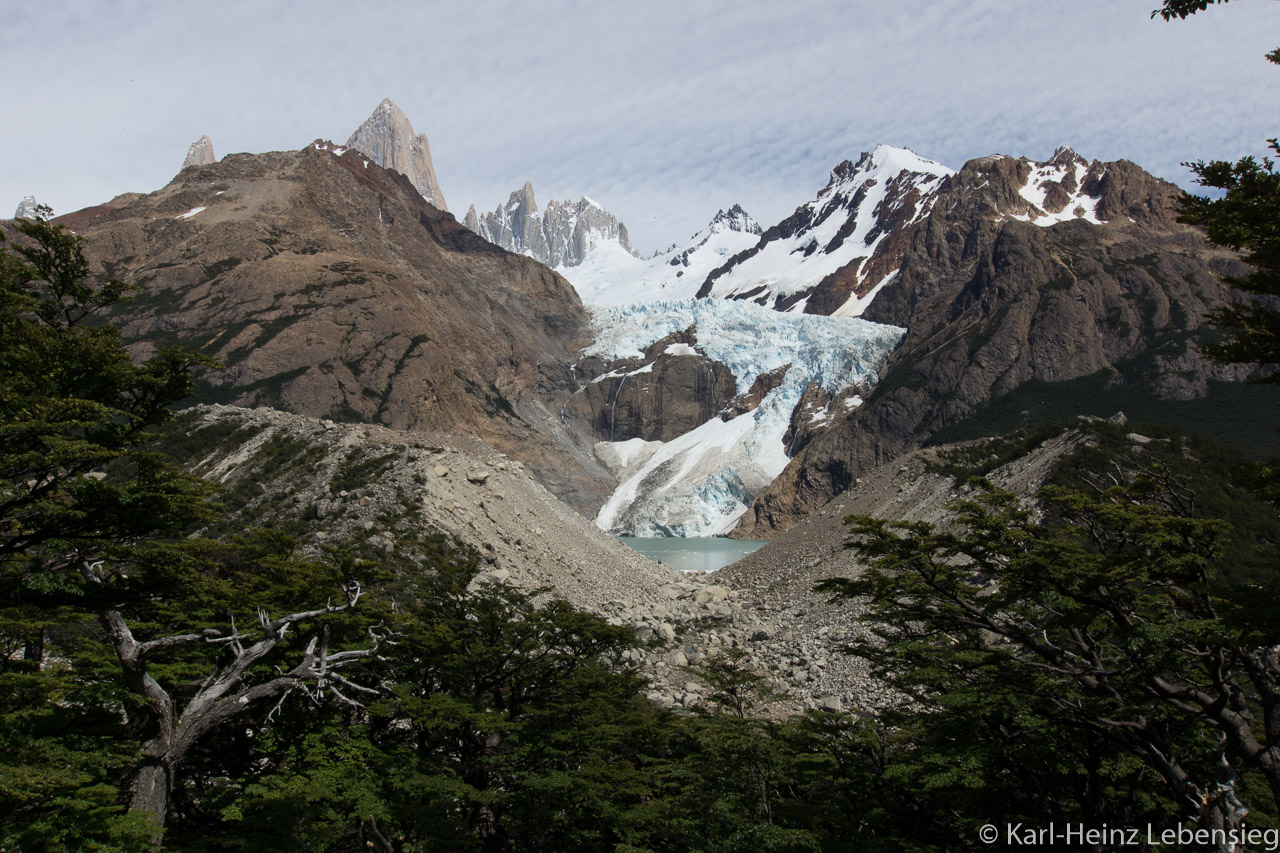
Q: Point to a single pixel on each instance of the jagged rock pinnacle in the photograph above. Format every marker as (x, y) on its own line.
(26, 208)
(560, 236)
(200, 153)
(387, 138)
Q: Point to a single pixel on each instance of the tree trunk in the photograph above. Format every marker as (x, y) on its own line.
(149, 793)
(33, 648)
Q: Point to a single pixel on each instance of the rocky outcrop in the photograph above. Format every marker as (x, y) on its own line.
(26, 208)
(200, 153)
(560, 236)
(327, 286)
(750, 400)
(387, 138)
(1022, 271)
(659, 397)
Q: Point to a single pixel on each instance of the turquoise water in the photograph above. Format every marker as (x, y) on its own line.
(693, 555)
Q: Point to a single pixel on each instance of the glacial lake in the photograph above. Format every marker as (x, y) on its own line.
(693, 554)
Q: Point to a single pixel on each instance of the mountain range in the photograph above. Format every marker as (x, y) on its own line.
(691, 392)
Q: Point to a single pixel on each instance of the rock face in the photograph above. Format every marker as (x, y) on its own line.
(327, 286)
(200, 153)
(1020, 271)
(560, 236)
(667, 392)
(26, 208)
(388, 139)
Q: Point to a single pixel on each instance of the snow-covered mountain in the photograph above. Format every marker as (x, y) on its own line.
(834, 254)
(836, 235)
(700, 483)
(609, 276)
(561, 236)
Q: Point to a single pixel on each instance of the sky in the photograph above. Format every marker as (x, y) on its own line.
(664, 112)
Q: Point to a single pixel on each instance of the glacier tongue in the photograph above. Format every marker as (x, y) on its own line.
(701, 483)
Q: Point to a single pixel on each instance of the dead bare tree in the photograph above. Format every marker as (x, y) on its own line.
(226, 693)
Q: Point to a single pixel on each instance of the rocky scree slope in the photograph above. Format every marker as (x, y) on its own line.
(378, 488)
(801, 647)
(327, 286)
(1020, 271)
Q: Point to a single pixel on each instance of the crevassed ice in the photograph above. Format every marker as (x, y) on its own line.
(750, 339)
(701, 483)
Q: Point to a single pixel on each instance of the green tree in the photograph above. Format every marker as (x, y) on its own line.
(87, 567)
(510, 723)
(1097, 630)
(1245, 217)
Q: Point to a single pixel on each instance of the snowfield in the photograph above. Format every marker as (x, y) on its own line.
(610, 275)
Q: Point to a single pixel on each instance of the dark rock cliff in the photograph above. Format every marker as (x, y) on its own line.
(993, 299)
(329, 287)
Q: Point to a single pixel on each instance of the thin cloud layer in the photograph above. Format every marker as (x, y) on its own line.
(662, 111)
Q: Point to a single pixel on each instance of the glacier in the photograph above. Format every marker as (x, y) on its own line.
(702, 482)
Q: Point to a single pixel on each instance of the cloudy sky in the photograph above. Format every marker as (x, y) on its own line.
(662, 111)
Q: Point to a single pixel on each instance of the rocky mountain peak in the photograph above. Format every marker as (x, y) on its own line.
(1058, 271)
(1063, 188)
(560, 236)
(387, 138)
(200, 153)
(525, 196)
(829, 255)
(734, 219)
(1063, 155)
(26, 208)
(315, 276)
(522, 203)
